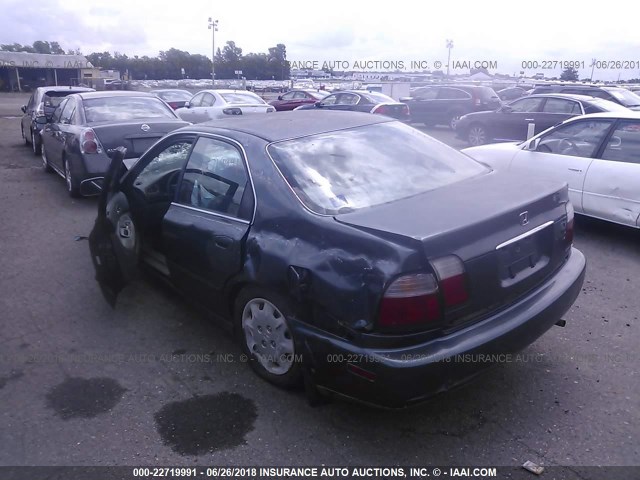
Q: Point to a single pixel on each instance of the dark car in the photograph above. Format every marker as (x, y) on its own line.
(295, 98)
(445, 104)
(176, 98)
(42, 103)
(511, 93)
(361, 101)
(512, 122)
(305, 233)
(614, 94)
(83, 132)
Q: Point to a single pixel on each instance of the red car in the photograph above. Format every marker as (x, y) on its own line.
(295, 98)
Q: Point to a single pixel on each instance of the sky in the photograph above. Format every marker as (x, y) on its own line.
(506, 32)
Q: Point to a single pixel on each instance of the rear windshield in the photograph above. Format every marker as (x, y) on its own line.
(375, 97)
(343, 171)
(627, 98)
(487, 92)
(125, 108)
(242, 98)
(175, 96)
(53, 99)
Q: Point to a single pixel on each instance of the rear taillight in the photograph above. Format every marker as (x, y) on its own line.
(89, 143)
(381, 110)
(232, 111)
(410, 300)
(568, 232)
(452, 279)
(421, 298)
(40, 110)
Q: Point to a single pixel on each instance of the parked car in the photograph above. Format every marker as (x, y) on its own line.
(445, 104)
(80, 137)
(43, 102)
(296, 98)
(511, 93)
(305, 232)
(598, 155)
(175, 97)
(211, 104)
(361, 101)
(511, 122)
(614, 94)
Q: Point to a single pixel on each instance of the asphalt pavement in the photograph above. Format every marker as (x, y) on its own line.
(154, 382)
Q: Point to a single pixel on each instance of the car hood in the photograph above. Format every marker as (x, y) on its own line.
(496, 155)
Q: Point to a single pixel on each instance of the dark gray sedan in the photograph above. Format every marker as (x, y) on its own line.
(81, 135)
(349, 252)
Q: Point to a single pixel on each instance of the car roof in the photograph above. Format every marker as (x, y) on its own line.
(66, 88)
(225, 90)
(571, 96)
(111, 93)
(273, 127)
(618, 114)
(157, 90)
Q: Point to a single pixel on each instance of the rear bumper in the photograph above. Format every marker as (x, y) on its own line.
(403, 376)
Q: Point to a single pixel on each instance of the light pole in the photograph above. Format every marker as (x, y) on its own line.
(449, 46)
(213, 26)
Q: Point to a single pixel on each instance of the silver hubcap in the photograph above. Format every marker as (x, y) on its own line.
(267, 336)
(126, 232)
(476, 136)
(454, 121)
(67, 175)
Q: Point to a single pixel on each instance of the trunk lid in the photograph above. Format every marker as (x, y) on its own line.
(250, 109)
(508, 232)
(136, 136)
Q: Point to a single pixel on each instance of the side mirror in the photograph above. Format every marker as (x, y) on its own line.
(187, 105)
(279, 97)
(23, 108)
(532, 145)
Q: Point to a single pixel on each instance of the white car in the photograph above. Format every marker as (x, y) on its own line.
(215, 104)
(598, 155)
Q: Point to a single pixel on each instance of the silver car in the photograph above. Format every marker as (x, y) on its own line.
(216, 104)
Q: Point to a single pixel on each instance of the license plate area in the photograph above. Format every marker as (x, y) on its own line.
(520, 259)
(141, 145)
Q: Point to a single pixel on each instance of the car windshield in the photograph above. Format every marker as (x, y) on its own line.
(108, 109)
(175, 96)
(53, 99)
(627, 98)
(343, 171)
(376, 97)
(318, 95)
(242, 98)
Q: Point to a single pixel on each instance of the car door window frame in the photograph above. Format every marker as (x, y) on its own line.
(605, 143)
(70, 105)
(199, 96)
(564, 100)
(598, 149)
(243, 156)
(57, 113)
(208, 100)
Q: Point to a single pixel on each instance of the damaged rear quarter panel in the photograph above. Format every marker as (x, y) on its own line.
(346, 268)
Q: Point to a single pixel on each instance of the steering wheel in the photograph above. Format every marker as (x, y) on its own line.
(568, 147)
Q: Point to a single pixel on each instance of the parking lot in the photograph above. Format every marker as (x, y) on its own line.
(154, 382)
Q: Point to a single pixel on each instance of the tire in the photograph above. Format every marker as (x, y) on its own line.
(453, 119)
(24, 137)
(72, 183)
(477, 135)
(265, 336)
(35, 144)
(45, 161)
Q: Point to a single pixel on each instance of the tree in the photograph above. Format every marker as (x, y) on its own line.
(569, 74)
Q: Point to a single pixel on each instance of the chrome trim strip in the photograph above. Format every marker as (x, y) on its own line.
(215, 214)
(525, 234)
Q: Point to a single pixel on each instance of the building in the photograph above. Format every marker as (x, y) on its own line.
(25, 71)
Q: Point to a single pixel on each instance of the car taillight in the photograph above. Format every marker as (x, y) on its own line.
(568, 233)
(173, 105)
(381, 110)
(40, 110)
(89, 142)
(452, 280)
(421, 298)
(232, 111)
(410, 300)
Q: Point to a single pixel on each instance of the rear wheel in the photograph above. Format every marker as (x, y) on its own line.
(24, 137)
(45, 161)
(72, 183)
(265, 336)
(477, 135)
(35, 143)
(453, 119)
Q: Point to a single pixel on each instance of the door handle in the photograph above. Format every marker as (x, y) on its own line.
(575, 170)
(222, 241)
(529, 119)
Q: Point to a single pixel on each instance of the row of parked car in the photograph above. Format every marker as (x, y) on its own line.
(349, 252)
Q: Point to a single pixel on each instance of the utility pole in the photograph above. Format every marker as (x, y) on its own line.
(213, 26)
(449, 47)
